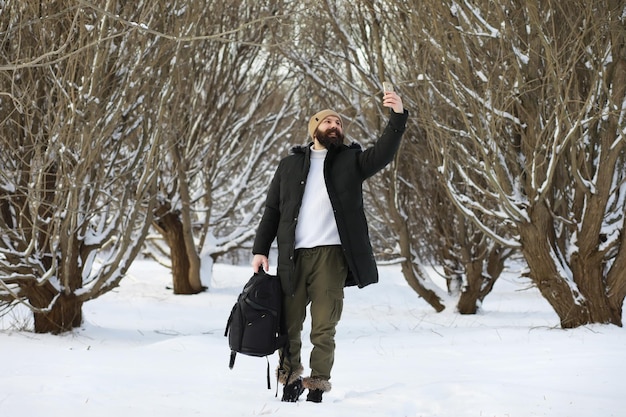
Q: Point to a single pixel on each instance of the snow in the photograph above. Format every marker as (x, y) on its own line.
(143, 352)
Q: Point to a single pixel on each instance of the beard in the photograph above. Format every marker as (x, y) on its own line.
(328, 140)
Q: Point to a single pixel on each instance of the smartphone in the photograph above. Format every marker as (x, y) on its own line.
(387, 86)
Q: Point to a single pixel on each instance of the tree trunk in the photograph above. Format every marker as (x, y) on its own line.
(171, 227)
(479, 283)
(588, 274)
(573, 307)
(412, 272)
(64, 315)
(454, 283)
(468, 301)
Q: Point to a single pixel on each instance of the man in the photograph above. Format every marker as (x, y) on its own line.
(314, 209)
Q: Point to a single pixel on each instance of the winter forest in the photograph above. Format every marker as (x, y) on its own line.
(151, 129)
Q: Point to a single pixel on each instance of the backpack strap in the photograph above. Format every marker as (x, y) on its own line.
(280, 366)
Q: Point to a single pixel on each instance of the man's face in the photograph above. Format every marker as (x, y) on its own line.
(330, 132)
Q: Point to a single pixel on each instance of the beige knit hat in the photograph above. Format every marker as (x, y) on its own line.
(318, 117)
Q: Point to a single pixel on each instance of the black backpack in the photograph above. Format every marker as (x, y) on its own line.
(255, 326)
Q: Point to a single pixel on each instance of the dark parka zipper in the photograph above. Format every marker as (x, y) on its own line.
(292, 250)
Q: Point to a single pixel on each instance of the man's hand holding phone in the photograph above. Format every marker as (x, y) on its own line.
(391, 99)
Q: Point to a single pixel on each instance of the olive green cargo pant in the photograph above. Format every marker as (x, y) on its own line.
(320, 275)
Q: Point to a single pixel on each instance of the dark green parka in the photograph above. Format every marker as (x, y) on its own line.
(345, 169)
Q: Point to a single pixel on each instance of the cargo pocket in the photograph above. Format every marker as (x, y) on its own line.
(336, 297)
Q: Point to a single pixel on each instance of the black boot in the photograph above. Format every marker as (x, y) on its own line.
(315, 395)
(291, 392)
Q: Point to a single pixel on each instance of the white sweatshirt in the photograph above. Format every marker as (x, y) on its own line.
(316, 222)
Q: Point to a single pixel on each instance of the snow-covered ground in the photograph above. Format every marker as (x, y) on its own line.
(144, 352)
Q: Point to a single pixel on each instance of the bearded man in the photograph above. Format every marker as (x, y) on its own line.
(314, 209)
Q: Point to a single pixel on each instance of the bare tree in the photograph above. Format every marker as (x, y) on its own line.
(90, 94)
(75, 194)
(229, 109)
(533, 150)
